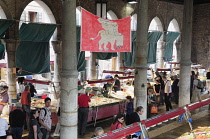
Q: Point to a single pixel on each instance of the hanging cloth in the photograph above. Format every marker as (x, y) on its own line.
(170, 38)
(4, 25)
(153, 38)
(33, 54)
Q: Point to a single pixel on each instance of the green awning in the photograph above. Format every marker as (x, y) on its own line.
(4, 25)
(153, 37)
(81, 63)
(105, 56)
(170, 38)
(33, 54)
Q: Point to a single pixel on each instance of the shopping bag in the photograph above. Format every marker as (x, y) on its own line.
(154, 109)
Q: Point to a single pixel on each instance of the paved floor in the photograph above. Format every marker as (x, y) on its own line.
(168, 130)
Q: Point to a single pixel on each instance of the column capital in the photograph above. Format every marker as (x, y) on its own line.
(56, 46)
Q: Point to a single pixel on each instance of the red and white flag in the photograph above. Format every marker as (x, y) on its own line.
(102, 35)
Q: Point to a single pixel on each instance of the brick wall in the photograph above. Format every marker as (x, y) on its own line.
(201, 35)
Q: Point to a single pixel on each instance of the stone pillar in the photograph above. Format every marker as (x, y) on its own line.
(161, 49)
(57, 64)
(140, 82)
(69, 74)
(120, 63)
(93, 66)
(11, 66)
(185, 63)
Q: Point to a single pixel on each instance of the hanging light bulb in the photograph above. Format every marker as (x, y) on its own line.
(132, 1)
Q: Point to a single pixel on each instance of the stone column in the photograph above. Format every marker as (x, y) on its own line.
(69, 74)
(56, 79)
(140, 82)
(120, 61)
(185, 63)
(93, 66)
(11, 68)
(161, 49)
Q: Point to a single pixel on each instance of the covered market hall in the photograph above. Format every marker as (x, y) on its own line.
(104, 69)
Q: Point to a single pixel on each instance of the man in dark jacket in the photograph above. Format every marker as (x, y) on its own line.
(175, 88)
(135, 116)
(16, 120)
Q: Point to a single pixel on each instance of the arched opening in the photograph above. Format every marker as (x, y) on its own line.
(156, 25)
(174, 27)
(2, 14)
(38, 12)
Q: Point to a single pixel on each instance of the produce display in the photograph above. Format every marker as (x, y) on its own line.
(39, 103)
(200, 133)
(97, 101)
(127, 91)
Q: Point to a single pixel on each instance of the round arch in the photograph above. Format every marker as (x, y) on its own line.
(111, 15)
(43, 14)
(2, 14)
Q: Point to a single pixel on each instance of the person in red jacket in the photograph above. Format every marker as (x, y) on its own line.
(83, 100)
(26, 103)
(118, 122)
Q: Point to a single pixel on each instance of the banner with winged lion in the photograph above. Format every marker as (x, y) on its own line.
(103, 35)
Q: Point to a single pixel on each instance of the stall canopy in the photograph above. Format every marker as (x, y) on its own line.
(170, 38)
(33, 54)
(4, 25)
(153, 37)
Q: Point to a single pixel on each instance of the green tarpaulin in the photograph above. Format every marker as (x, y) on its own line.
(153, 37)
(2, 51)
(170, 38)
(33, 54)
(105, 56)
(129, 57)
(4, 25)
(81, 63)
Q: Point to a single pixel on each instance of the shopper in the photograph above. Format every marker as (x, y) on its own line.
(191, 83)
(129, 108)
(16, 119)
(117, 83)
(45, 119)
(162, 94)
(83, 101)
(167, 91)
(208, 81)
(135, 116)
(196, 92)
(5, 98)
(175, 88)
(157, 89)
(118, 122)
(34, 126)
(151, 100)
(26, 104)
(3, 128)
(98, 131)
